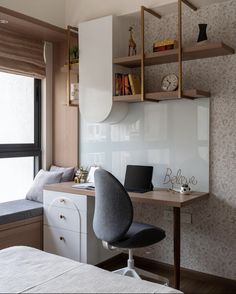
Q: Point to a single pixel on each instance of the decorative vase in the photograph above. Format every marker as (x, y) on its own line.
(202, 32)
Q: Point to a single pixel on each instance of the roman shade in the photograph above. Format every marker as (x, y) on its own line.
(21, 55)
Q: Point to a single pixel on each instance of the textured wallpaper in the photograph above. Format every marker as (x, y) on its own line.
(209, 243)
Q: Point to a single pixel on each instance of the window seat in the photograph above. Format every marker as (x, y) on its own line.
(19, 210)
(21, 224)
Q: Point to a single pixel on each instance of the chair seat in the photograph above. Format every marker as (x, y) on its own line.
(140, 235)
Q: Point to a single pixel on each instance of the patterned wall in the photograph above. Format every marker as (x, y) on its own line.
(209, 244)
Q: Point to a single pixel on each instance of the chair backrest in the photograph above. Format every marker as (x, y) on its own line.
(113, 208)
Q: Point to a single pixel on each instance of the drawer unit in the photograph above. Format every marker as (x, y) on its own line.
(62, 242)
(65, 200)
(68, 229)
(67, 219)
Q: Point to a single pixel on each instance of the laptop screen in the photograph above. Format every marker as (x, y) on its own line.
(138, 178)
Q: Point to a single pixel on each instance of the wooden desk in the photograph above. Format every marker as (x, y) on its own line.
(156, 197)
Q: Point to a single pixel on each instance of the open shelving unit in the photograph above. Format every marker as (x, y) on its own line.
(189, 53)
(71, 68)
(198, 51)
(161, 96)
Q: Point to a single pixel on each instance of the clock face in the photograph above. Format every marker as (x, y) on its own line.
(170, 83)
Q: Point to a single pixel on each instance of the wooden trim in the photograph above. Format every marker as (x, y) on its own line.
(32, 27)
(21, 223)
(68, 66)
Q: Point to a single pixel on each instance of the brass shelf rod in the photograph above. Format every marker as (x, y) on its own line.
(189, 4)
(180, 50)
(143, 9)
(154, 13)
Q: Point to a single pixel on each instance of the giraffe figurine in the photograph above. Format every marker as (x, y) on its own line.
(132, 44)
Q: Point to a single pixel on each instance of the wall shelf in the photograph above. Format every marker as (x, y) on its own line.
(74, 68)
(208, 50)
(163, 96)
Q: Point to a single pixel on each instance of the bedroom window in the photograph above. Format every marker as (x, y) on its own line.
(20, 134)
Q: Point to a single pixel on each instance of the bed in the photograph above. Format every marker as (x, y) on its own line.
(29, 270)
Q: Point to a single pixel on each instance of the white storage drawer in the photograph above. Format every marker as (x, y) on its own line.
(64, 218)
(65, 200)
(62, 242)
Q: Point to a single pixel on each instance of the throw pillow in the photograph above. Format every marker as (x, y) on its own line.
(42, 178)
(68, 172)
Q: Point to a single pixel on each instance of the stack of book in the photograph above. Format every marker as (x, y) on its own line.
(127, 84)
(165, 45)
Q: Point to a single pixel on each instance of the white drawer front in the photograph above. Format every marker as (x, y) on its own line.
(62, 242)
(68, 219)
(65, 200)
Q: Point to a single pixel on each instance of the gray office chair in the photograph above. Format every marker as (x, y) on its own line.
(113, 223)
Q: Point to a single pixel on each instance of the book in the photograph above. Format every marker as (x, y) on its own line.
(135, 84)
(127, 86)
(122, 85)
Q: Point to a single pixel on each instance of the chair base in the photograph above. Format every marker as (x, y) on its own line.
(132, 271)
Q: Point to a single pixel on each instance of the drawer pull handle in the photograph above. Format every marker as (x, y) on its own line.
(62, 200)
(62, 217)
(62, 238)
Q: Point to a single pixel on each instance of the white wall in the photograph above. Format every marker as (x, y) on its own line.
(81, 10)
(52, 11)
(78, 11)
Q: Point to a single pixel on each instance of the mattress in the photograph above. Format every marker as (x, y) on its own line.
(28, 270)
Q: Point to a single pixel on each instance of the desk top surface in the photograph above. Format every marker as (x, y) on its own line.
(158, 196)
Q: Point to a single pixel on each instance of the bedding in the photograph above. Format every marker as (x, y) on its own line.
(28, 270)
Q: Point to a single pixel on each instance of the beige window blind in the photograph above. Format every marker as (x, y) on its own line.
(21, 55)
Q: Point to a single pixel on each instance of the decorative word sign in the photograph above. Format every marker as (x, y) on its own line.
(178, 179)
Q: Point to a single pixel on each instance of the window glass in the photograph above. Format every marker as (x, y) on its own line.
(16, 176)
(16, 109)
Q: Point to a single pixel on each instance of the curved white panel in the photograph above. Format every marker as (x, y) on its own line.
(96, 69)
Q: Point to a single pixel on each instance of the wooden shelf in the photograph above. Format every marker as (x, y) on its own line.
(162, 96)
(74, 68)
(74, 103)
(207, 50)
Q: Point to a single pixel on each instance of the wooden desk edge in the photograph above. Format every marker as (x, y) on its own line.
(136, 197)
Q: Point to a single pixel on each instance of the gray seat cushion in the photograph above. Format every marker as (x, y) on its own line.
(140, 235)
(19, 210)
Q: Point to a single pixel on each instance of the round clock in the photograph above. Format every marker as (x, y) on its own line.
(170, 83)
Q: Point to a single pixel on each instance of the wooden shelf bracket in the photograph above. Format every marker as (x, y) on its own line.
(70, 29)
(154, 13)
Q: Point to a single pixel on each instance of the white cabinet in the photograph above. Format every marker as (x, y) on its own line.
(68, 228)
(96, 72)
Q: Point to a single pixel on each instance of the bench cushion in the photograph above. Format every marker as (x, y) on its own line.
(19, 210)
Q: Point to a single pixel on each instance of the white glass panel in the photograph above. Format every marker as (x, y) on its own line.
(16, 109)
(172, 134)
(16, 176)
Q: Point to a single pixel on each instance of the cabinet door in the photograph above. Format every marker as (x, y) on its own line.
(95, 67)
(62, 242)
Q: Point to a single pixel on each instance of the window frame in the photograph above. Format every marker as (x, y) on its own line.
(29, 150)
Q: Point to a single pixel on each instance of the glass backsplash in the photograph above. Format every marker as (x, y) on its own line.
(170, 136)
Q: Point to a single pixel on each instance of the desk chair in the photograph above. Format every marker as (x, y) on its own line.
(113, 223)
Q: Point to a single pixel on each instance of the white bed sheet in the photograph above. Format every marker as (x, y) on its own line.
(28, 270)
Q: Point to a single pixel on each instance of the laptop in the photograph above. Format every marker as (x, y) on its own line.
(138, 178)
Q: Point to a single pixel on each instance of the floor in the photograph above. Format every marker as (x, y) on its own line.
(190, 283)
